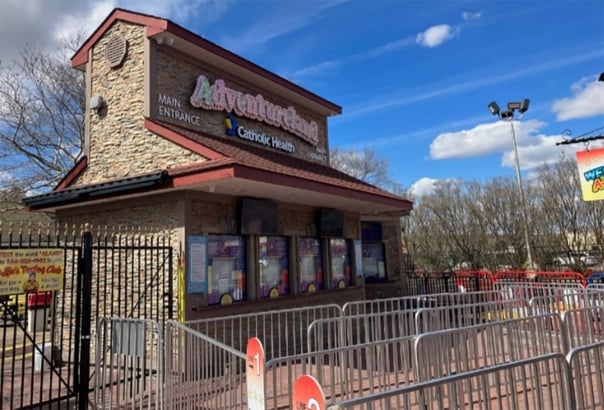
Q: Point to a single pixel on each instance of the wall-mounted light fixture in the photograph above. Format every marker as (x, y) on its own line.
(96, 102)
(164, 40)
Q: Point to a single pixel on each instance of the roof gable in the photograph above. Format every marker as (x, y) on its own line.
(155, 25)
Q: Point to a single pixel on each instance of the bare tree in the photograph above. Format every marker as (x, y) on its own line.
(365, 165)
(41, 117)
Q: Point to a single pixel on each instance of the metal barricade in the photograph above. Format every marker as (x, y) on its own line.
(447, 352)
(364, 307)
(584, 326)
(566, 299)
(586, 364)
(346, 372)
(524, 384)
(446, 317)
(129, 364)
(201, 372)
(325, 334)
(529, 290)
(282, 332)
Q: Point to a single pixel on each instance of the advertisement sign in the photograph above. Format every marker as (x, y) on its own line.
(31, 270)
(255, 374)
(307, 394)
(591, 173)
(198, 273)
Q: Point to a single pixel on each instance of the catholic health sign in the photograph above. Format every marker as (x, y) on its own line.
(31, 270)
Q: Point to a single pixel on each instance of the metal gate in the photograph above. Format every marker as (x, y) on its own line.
(47, 338)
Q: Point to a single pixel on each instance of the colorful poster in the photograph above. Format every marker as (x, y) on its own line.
(274, 266)
(31, 270)
(255, 374)
(358, 259)
(198, 272)
(340, 263)
(591, 173)
(311, 265)
(308, 394)
(226, 267)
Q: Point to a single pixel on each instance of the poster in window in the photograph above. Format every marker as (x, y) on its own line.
(274, 266)
(358, 257)
(374, 262)
(311, 265)
(226, 269)
(340, 263)
(197, 278)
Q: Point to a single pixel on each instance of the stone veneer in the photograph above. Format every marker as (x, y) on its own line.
(139, 220)
(120, 146)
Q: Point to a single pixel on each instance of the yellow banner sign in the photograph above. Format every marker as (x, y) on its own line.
(30, 270)
(591, 173)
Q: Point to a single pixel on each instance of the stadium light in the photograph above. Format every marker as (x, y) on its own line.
(508, 115)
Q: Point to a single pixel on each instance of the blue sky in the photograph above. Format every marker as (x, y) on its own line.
(413, 77)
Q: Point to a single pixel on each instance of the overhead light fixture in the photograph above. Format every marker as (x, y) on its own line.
(494, 108)
(601, 78)
(524, 106)
(506, 114)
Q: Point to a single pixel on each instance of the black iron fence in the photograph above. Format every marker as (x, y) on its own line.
(49, 319)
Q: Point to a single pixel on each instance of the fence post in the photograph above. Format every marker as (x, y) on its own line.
(85, 301)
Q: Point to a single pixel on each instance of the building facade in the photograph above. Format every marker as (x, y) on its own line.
(183, 136)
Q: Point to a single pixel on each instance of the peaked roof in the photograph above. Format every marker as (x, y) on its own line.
(155, 26)
(235, 152)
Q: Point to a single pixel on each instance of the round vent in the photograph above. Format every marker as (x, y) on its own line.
(116, 50)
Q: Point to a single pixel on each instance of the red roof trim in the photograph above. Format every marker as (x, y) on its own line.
(153, 24)
(200, 166)
(73, 173)
(293, 181)
(201, 177)
(181, 140)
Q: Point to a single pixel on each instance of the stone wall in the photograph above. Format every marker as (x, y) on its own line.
(120, 146)
(129, 262)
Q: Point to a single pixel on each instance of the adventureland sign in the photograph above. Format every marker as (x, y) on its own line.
(219, 97)
(31, 270)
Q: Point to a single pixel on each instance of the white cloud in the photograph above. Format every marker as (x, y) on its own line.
(483, 139)
(468, 15)
(436, 35)
(534, 148)
(587, 100)
(41, 23)
(424, 186)
(536, 151)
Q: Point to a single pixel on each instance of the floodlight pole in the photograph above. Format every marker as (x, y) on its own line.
(522, 201)
(508, 115)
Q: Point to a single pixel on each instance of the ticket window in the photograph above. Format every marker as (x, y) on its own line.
(339, 257)
(374, 262)
(226, 269)
(311, 265)
(273, 266)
